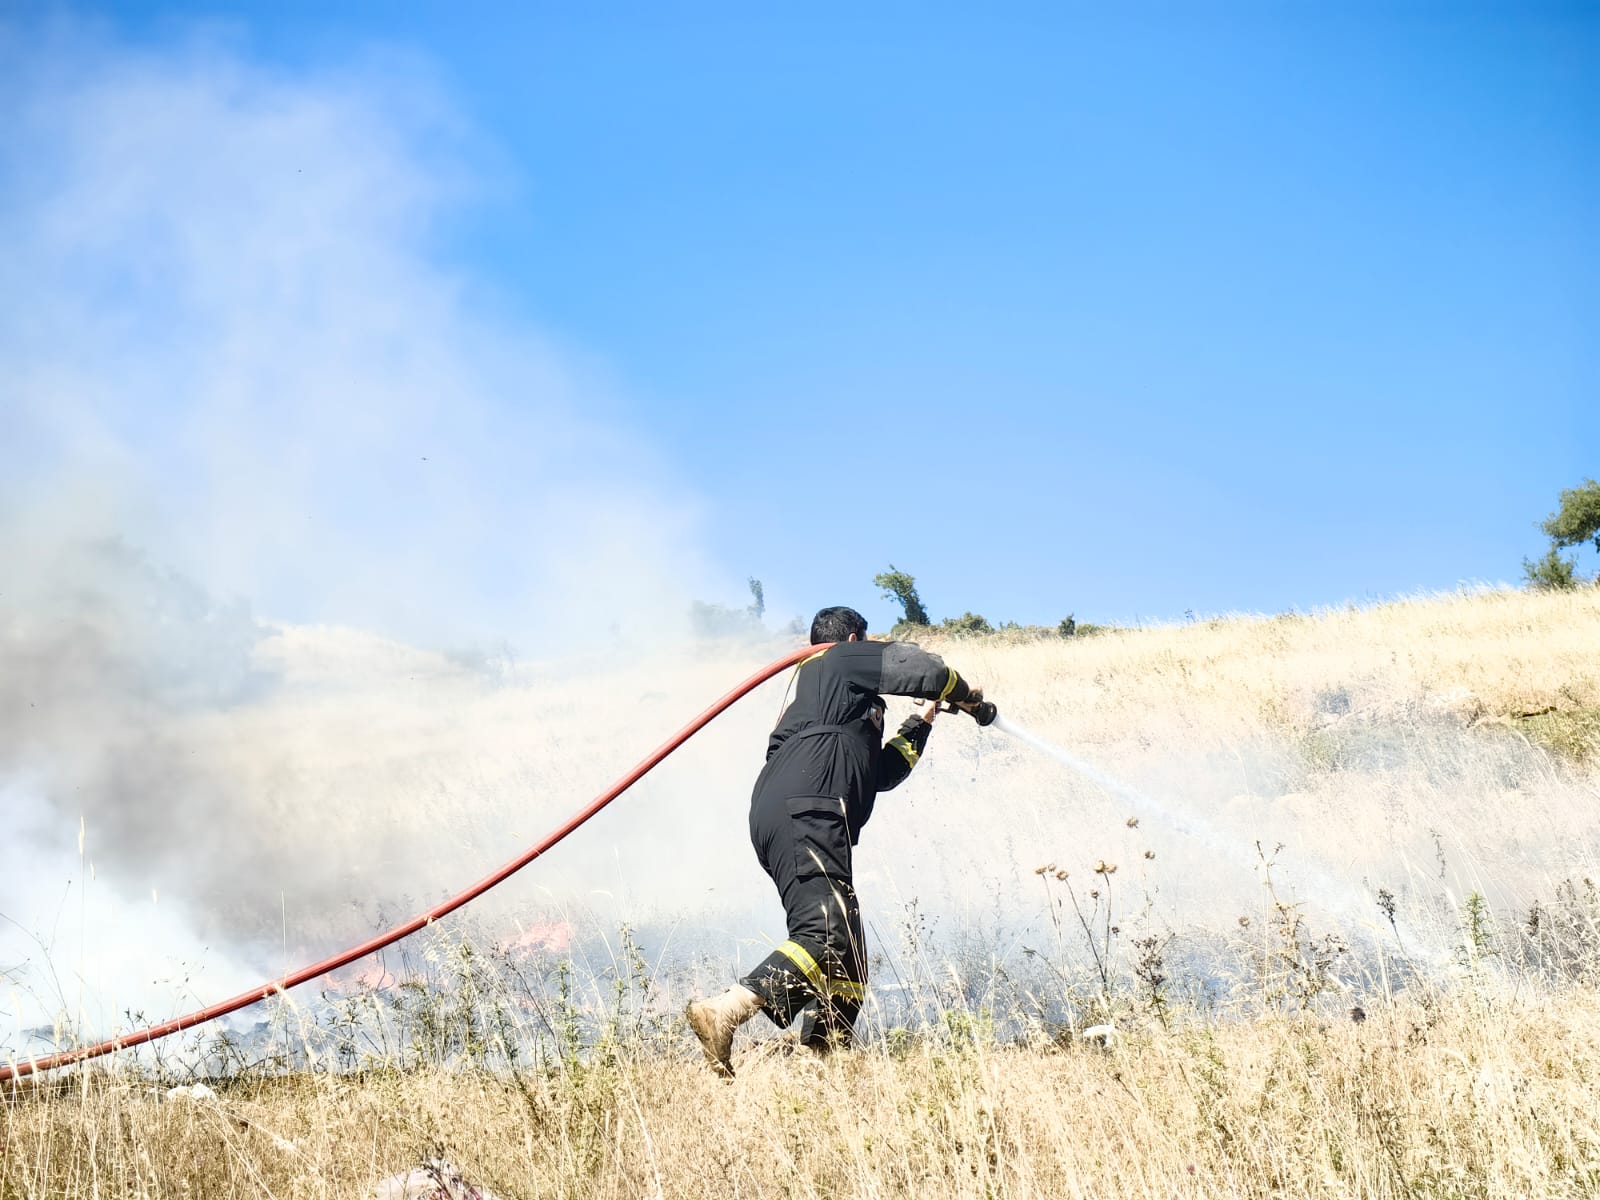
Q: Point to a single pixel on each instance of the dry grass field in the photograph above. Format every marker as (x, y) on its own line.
(1350, 946)
(1461, 1097)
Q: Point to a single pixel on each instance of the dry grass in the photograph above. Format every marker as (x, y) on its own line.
(1451, 1098)
(1436, 746)
(1495, 655)
(1465, 725)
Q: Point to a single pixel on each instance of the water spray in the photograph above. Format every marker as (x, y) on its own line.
(986, 714)
(1093, 774)
(1335, 894)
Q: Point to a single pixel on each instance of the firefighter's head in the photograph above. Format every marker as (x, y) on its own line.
(838, 624)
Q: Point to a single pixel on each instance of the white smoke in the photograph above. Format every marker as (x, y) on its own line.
(240, 347)
(247, 403)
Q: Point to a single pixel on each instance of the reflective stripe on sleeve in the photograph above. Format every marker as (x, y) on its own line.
(950, 685)
(907, 750)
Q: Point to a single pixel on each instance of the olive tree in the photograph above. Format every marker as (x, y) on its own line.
(1575, 522)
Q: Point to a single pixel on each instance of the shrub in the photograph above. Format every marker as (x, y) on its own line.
(968, 624)
(1551, 572)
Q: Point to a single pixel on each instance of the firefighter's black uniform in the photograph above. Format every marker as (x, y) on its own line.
(826, 763)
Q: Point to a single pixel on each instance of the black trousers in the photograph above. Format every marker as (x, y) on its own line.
(820, 973)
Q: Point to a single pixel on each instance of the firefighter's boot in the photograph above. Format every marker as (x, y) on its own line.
(714, 1021)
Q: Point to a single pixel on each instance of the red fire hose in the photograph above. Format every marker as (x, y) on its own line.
(16, 1070)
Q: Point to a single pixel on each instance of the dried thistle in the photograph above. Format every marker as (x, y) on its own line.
(1133, 822)
(1386, 903)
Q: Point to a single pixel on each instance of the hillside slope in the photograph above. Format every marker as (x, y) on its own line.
(1330, 883)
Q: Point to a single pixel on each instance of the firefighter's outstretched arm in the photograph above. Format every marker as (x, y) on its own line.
(909, 670)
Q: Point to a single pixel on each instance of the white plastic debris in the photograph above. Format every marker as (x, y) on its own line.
(1107, 1035)
(435, 1179)
(198, 1093)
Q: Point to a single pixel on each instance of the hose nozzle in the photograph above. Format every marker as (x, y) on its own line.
(983, 712)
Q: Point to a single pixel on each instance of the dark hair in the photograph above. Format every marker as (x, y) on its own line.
(837, 624)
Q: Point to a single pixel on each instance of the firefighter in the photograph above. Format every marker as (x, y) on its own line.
(826, 763)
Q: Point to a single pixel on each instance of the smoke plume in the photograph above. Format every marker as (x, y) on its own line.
(262, 439)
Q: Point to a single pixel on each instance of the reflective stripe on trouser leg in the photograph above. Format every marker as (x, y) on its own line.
(824, 960)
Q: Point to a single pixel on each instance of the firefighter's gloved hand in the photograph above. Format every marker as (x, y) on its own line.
(970, 701)
(976, 707)
(915, 730)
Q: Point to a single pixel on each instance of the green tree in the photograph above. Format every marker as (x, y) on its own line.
(1578, 519)
(897, 585)
(1551, 573)
(1575, 522)
(758, 606)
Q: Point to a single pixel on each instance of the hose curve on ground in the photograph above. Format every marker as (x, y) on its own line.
(30, 1066)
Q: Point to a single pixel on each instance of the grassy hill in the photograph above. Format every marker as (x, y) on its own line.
(1335, 891)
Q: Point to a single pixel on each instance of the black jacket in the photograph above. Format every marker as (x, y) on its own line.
(829, 741)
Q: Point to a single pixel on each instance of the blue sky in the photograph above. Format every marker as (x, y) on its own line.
(1209, 308)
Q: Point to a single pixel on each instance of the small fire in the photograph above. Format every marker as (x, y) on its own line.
(367, 974)
(541, 935)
